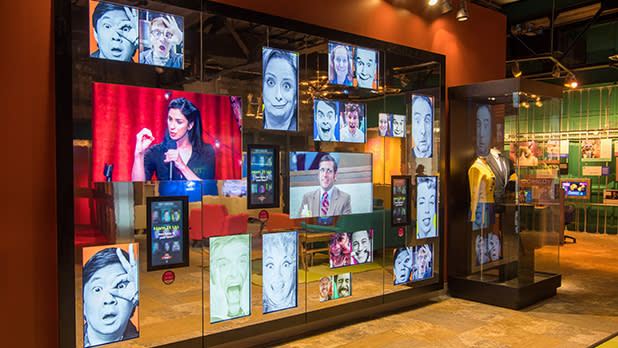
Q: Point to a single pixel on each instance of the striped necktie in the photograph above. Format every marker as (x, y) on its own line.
(324, 209)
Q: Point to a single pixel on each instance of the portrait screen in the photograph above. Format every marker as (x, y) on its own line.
(576, 188)
(230, 277)
(400, 204)
(487, 247)
(353, 66)
(339, 121)
(148, 134)
(168, 237)
(280, 271)
(129, 34)
(426, 206)
(109, 309)
(335, 286)
(280, 89)
(391, 125)
(263, 181)
(330, 184)
(403, 259)
(422, 126)
(423, 262)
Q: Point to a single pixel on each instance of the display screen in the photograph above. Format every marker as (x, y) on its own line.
(400, 205)
(263, 181)
(426, 206)
(280, 89)
(412, 263)
(576, 188)
(168, 228)
(330, 184)
(391, 125)
(230, 277)
(335, 286)
(146, 133)
(353, 248)
(525, 153)
(110, 277)
(487, 248)
(129, 34)
(234, 188)
(353, 66)
(339, 121)
(423, 262)
(422, 126)
(280, 271)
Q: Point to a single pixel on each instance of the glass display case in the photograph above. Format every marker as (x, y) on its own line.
(506, 201)
(232, 175)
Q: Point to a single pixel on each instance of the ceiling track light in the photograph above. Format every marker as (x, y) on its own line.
(432, 2)
(462, 12)
(515, 70)
(447, 6)
(570, 81)
(555, 71)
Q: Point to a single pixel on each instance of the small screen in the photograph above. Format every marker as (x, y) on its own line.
(353, 66)
(400, 204)
(263, 180)
(280, 89)
(426, 206)
(422, 126)
(391, 125)
(335, 286)
(168, 232)
(280, 271)
(339, 121)
(575, 188)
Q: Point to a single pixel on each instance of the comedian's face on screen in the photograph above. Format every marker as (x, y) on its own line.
(341, 62)
(231, 269)
(493, 247)
(177, 124)
(403, 266)
(383, 124)
(483, 130)
(279, 88)
(352, 120)
(343, 285)
(365, 67)
(162, 39)
(327, 175)
(111, 33)
(423, 257)
(480, 248)
(279, 269)
(426, 208)
(399, 125)
(422, 128)
(324, 287)
(361, 246)
(326, 119)
(107, 313)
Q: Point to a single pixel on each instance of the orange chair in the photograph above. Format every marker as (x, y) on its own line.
(280, 221)
(235, 224)
(195, 226)
(214, 217)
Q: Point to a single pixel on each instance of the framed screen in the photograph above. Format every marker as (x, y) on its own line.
(230, 277)
(335, 286)
(610, 196)
(330, 184)
(339, 121)
(423, 262)
(280, 89)
(263, 178)
(596, 149)
(130, 130)
(422, 126)
(353, 66)
(391, 125)
(426, 207)
(168, 232)
(103, 268)
(128, 34)
(280, 271)
(487, 247)
(403, 260)
(576, 188)
(400, 200)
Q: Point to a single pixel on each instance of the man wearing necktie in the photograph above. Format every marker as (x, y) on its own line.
(327, 200)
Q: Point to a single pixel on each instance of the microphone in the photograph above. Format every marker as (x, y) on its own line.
(108, 169)
(171, 145)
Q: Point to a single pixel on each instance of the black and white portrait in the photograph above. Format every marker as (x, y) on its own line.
(230, 283)
(362, 246)
(422, 126)
(280, 89)
(343, 285)
(426, 206)
(280, 271)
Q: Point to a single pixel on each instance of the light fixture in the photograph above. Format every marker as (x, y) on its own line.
(462, 13)
(515, 70)
(432, 2)
(570, 81)
(447, 6)
(555, 71)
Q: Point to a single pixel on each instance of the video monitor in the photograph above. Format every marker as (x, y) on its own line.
(339, 250)
(353, 66)
(400, 200)
(335, 286)
(230, 277)
(403, 259)
(423, 262)
(234, 188)
(483, 216)
(128, 34)
(362, 247)
(110, 276)
(596, 149)
(159, 134)
(330, 184)
(263, 178)
(422, 126)
(280, 89)
(426, 207)
(192, 189)
(391, 125)
(487, 247)
(280, 271)
(168, 232)
(576, 188)
(339, 121)
(525, 153)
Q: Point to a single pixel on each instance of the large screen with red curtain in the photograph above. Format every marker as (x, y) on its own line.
(120, 112)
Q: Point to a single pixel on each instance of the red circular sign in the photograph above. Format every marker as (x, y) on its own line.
(401, 231)
(263, 215)
(168, 277)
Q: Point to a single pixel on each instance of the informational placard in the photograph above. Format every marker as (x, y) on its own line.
(592, 170)
(610, 196)
(263, 178)
(400, 200)
(168, 232)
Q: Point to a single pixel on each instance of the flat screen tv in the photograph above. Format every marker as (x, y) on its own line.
(168, 232)
(339, 121)
(263, 178)
(576, 188)
(355, 66)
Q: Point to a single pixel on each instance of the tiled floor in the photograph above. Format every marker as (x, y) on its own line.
(584, 312)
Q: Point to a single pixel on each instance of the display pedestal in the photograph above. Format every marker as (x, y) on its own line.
(514, 294)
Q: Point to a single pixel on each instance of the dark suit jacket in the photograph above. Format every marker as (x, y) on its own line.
(502, 176)
(339, 203)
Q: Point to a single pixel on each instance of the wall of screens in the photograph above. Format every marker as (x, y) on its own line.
(283, 173)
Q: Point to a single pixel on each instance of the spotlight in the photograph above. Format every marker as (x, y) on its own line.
(515, 70)
(555, 71)
(462, 13)
(447, 6)
(570, 81)
(432, 2)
